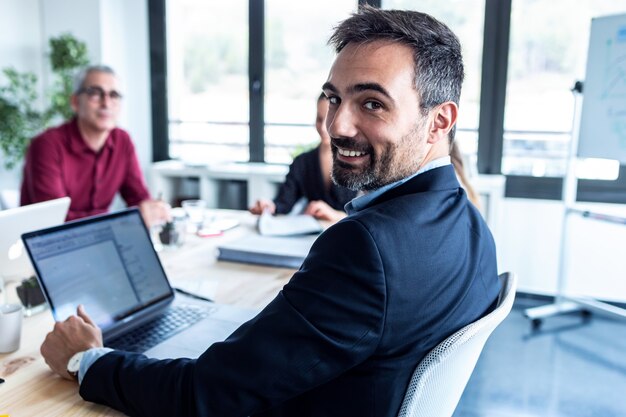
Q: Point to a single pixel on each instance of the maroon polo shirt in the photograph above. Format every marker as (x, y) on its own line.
(59, 163)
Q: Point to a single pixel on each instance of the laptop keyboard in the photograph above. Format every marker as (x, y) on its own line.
(174, 320)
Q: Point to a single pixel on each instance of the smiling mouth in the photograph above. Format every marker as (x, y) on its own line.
(350, 153)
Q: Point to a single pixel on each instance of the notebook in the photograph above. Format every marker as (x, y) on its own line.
(108, 264)
(280, 251)
(14, 263)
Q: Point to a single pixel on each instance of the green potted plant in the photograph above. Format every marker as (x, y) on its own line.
(67, 55)
(20, 120)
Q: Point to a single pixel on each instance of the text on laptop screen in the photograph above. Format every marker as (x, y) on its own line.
(107, 265)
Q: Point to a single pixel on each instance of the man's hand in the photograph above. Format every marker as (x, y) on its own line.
(322, 211)
(155, 212)
(263, 205)
(73, 335)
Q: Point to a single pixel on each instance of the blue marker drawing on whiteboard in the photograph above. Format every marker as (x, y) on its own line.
(621, 34)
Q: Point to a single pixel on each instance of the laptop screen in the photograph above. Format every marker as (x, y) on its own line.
(107, 263)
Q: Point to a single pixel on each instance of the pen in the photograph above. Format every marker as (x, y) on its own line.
(192, 295)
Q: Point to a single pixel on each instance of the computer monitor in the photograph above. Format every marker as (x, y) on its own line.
(14, 262)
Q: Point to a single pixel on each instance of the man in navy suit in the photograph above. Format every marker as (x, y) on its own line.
(412, 263)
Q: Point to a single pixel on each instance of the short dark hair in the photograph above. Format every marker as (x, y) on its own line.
(436, 49)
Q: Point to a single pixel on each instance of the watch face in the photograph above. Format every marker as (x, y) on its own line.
(74, 363)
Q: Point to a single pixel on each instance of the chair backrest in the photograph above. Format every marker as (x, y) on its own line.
(440, 378)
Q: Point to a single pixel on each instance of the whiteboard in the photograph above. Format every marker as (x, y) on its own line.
(602, 132)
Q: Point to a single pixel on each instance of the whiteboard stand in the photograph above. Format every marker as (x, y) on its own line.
(563, 303)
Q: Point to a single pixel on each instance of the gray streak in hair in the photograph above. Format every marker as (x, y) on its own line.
(79, 79)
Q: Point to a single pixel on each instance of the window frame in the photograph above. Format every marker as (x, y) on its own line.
(158, 79)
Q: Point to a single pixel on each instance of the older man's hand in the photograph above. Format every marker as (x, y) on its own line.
(155, 212)
(73, 335)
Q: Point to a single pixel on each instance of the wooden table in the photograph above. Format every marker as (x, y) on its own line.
(31, 389)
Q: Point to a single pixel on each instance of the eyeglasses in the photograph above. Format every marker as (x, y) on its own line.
(97, 94)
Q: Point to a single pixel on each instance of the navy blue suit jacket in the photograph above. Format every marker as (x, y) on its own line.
(377, 291)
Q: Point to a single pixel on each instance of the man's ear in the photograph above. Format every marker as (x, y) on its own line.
(74, 102)
(442, 119)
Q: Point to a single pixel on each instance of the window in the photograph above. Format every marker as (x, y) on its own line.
(207, 61)
(466, 20)
(547, 55)
(297, 61)
(208, 64)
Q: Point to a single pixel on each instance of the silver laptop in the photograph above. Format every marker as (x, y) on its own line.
(108, 264)
(14, 263)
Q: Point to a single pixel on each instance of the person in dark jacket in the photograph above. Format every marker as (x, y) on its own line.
(309, 180)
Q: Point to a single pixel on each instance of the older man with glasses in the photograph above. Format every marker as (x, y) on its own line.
(88, 158)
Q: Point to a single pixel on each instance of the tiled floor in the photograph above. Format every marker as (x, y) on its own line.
(569, 368)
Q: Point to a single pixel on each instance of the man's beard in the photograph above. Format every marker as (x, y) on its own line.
(397, 161)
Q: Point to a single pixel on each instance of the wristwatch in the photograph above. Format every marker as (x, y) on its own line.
(73, 365)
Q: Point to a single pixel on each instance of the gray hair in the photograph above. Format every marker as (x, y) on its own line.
(436, 49)
(79, 79)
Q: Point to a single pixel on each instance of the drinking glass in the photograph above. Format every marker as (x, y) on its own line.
(195, 211)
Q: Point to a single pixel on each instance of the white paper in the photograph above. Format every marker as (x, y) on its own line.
(291, 225)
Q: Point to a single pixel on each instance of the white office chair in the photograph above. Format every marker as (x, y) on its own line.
(440, 378)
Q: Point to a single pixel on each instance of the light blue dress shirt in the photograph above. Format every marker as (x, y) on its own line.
(359, 203)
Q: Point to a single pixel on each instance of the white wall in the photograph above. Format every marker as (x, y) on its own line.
(20, 47)
(596, 260)
(79, 17)
(125, 46)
